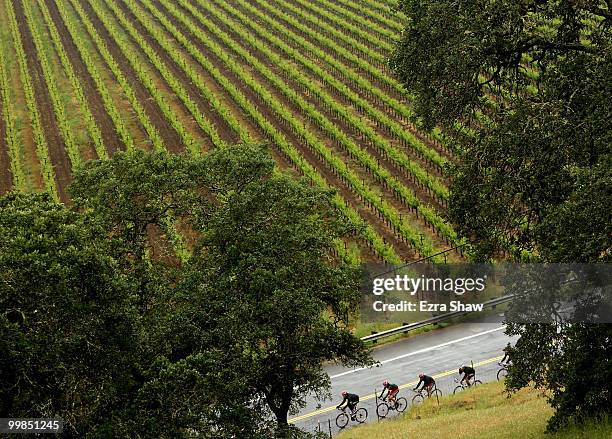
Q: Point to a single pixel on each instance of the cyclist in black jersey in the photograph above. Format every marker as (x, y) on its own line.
(428, 383)
(506, 360)
(469, 374)
(351, 400)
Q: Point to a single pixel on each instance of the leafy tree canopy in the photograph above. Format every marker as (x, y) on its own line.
(66, 318)
(524, 90)
(534, 173)
(265, 258)
(225, 340)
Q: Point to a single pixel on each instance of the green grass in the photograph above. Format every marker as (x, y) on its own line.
(482, 413)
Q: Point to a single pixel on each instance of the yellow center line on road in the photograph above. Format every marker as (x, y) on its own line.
(403, 386)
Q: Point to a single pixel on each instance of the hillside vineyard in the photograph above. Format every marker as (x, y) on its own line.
(81, 80)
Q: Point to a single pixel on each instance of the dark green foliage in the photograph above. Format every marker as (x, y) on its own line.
(526, 179)
(135, 192)
(66, 317)
(266, 254)
(572, 365)
(123, 340)
(533, 178)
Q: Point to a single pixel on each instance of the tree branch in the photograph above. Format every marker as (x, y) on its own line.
(606, 14)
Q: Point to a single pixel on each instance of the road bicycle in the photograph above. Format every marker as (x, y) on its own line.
(421, 395)
(399, 405)
(503, 372)
(463, 386)
(360, 415)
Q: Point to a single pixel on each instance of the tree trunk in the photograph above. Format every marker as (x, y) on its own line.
(282, 418)
(281, 411)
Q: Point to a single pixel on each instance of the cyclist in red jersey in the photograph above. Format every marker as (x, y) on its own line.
(392, 391)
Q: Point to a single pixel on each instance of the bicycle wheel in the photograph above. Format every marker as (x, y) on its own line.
(401, 404)
(417, 399)
(361, 415)
(457, 389)
(382, 410)
(476, 382)
(342, 420)
(436, 392)
(501, 373)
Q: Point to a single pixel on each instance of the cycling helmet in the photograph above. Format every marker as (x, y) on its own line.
(421, 375)
(385, 383)
(344, 393)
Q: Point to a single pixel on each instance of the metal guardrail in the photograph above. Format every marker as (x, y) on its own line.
(436, 319)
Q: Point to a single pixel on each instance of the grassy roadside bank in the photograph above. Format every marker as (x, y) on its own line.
(481, 413)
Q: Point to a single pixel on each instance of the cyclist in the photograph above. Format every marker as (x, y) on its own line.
(506, 358)
(468, 372)
(392, 391)
(428, 383)
(351, 402)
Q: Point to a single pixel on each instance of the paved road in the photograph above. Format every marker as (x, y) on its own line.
(437, 353)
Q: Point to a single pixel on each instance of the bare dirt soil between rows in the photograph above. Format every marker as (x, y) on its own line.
(416, 220)
(252, 127)
(110, 137)
(55, 143)
(170, 137)
(368, 215)
(364, 94)
(341, 57)
(225, 132)
(6, 181)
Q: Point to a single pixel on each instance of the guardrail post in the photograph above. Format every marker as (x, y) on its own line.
(330, 430)
(376, 401)
(406, 331)
(374, 333)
